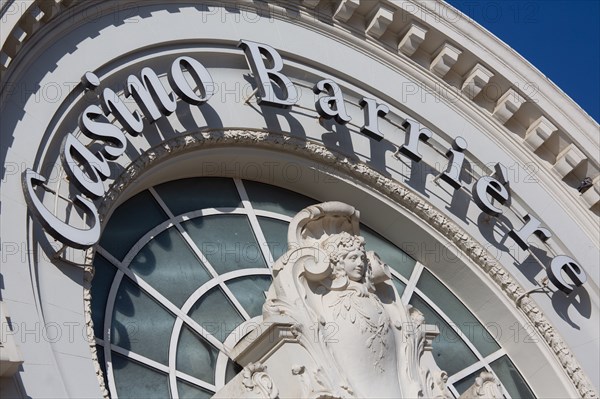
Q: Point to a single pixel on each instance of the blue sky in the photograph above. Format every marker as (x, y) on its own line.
(560, 37)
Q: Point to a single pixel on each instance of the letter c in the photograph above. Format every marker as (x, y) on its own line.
(72, 236)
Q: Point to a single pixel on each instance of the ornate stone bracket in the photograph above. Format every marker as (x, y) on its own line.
(252, 382)
(485, 386)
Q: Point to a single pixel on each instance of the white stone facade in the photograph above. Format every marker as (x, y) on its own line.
(424, 61)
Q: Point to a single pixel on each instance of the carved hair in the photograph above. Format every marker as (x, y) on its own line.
(338, 246)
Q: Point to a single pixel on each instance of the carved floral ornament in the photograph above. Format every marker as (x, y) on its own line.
(216, 138)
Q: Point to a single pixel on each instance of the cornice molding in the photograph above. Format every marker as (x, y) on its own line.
(493, 56)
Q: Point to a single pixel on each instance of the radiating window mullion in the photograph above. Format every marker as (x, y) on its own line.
(195, 381)
(449, 321)
(249, 291)
(169, 265)
(200, 255)
(150, 382)
(458, 312)
(172, 221)
(140, 358)
(485, 364)
(459, 375)
(272, 215)
(129, 222)
(187, 376)
(453, 390)
(496, 367)
(161, 299)
(412, 283)
(494, 355)
(275, 232)
(174, 342)
(162, 368)
(276, 199)
(185, 235)
(188, 194)
(398, 276)
(260, 237)
(234, 301)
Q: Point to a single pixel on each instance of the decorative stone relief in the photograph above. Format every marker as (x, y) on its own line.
(258, 382)
(252, 382)
(485, 386)
(88, 276)
(355, 335)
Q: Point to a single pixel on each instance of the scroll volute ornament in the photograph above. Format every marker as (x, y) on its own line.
(485, 386)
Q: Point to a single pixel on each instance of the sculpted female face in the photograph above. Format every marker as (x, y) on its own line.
(354, 264)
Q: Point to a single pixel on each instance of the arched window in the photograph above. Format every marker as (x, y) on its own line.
(181, 273)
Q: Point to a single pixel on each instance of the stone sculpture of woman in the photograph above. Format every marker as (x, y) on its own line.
(333, 324)
(351, 305)
(370, 344)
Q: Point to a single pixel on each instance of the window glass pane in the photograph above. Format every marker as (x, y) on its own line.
(170, 266)
(449, 350)
(232, 370)
(140, 324)
(275, 199)
(216, 314)
(275, 232)
(186, 195)
(195, 356)
(189, 391)
(460, 315)
(467, 382)
(134, 380)
(388, 252)
(104, 273)
(249, 291)
(400, 286)
(227, 241)
(511, 378)
(129, 222)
